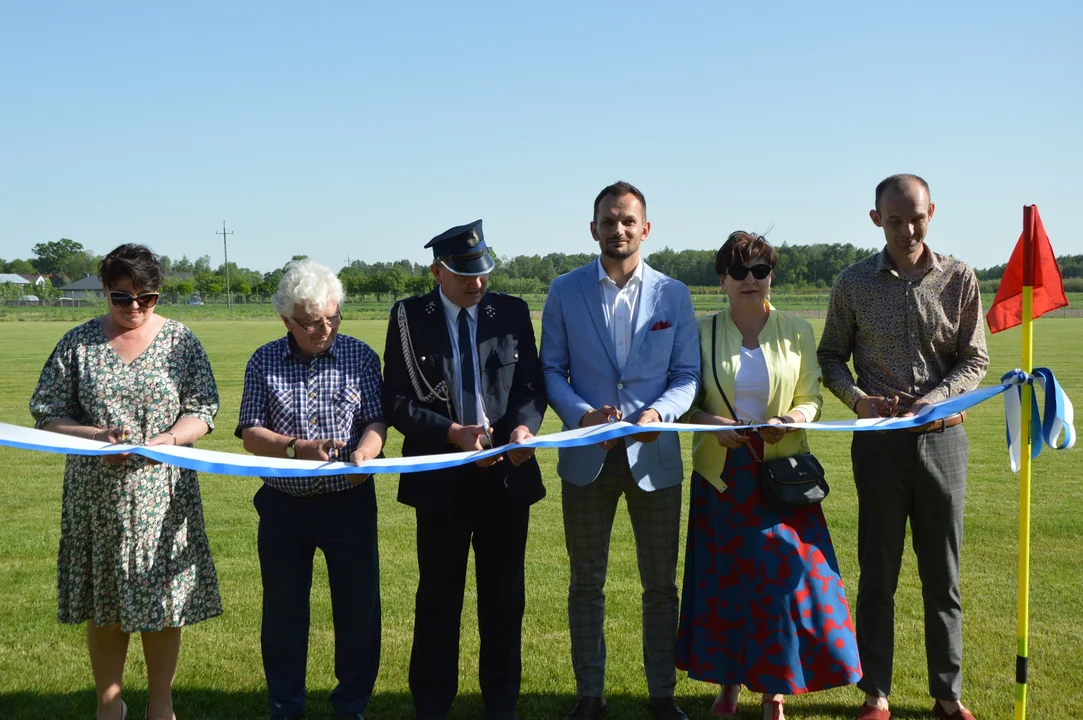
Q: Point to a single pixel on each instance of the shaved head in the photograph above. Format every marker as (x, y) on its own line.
(899, 184)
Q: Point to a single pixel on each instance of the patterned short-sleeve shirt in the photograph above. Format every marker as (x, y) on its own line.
(333, 395)
(917, 338)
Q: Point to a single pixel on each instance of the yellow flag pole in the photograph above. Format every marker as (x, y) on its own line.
(1023, 619)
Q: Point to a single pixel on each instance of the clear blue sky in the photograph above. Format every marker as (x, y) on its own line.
(361, 130)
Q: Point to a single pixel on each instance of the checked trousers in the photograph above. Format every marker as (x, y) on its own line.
(588, 524)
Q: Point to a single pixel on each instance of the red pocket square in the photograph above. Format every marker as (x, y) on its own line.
(660, 325)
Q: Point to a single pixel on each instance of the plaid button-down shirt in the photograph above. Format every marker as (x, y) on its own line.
(332, 395)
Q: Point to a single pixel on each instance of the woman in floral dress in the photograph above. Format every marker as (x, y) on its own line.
(133, 551)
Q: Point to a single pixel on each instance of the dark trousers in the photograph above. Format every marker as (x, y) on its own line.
(497, 530)
(920, 477)
(343, 526)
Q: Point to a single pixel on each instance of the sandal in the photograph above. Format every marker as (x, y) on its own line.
(725, 705)
(776, 708)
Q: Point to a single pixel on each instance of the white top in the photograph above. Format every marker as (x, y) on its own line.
(619, 305)
(451, 316)
(752, 386)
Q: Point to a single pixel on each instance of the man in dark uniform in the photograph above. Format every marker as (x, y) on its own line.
(462, 371)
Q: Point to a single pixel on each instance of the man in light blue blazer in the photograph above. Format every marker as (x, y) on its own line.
(619, 341)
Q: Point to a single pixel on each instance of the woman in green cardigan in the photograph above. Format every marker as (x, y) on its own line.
(763, 604)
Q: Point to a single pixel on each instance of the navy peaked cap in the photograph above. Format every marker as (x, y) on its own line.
(462, 250)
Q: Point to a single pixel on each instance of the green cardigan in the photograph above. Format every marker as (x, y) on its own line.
(789, 349)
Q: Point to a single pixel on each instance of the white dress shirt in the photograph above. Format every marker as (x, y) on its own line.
(451, 316)
(620, 305)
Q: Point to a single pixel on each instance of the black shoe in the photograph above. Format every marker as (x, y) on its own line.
(588, 708)
(665, 708)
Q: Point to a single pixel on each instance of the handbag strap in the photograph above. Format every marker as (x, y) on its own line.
(714, 371)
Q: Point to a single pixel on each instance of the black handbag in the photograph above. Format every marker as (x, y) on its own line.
(787, 482)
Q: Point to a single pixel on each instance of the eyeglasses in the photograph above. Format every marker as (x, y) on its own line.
(311, 327)
(123, 299)
(740, 272)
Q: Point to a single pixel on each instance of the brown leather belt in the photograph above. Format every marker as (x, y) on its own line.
(941, 425)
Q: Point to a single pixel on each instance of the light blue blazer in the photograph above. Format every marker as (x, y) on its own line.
(581, 371)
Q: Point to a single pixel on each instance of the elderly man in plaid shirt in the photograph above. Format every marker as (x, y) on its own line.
(315, 395)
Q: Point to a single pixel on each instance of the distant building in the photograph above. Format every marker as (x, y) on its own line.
(87, 288)
(33, 278)
(13, 279)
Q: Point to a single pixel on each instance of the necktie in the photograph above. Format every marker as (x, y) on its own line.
(466, 370)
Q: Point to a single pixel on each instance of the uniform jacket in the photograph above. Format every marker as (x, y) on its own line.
(512, 388)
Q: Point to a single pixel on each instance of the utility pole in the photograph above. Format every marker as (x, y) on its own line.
(225, 254)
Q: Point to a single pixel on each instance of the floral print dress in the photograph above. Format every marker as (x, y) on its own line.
(133, 548)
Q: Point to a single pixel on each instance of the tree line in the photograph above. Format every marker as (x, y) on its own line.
(800, 268)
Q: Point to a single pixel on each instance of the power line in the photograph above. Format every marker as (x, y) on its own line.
(225, 253)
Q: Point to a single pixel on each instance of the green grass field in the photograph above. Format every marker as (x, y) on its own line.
(45, 672)
(370, 307)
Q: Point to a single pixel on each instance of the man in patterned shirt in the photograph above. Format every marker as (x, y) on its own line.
(315, 395)
(912, 320)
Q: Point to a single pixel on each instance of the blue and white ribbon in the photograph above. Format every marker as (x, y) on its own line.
(1047, 428)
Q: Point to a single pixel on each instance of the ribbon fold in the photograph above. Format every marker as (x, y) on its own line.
(1045, 428)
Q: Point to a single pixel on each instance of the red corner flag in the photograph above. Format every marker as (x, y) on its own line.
(1033, 264)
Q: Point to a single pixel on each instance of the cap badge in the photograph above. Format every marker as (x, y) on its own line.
(472, 238)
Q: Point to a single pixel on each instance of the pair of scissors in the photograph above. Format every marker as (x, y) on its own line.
(892, 409)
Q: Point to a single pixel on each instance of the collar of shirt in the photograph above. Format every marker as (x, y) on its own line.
(603, 278)
(930, 261)
(293, 350)
(452, 310)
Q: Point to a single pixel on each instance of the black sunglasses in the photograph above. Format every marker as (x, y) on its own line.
(123, 299)
(740, 272)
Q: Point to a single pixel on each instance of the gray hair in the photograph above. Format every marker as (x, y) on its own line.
(309, 284)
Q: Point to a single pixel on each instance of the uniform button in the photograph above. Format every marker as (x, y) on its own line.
(312, 395)
(312, 421)
(620, 386)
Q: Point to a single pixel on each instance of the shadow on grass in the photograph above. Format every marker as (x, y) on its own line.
(198, 704)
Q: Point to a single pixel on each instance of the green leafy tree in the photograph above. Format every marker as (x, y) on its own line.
(50, 256)
(419, 284)
(20, 267)
(396, 281)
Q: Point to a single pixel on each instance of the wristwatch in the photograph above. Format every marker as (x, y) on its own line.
(291, 451)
